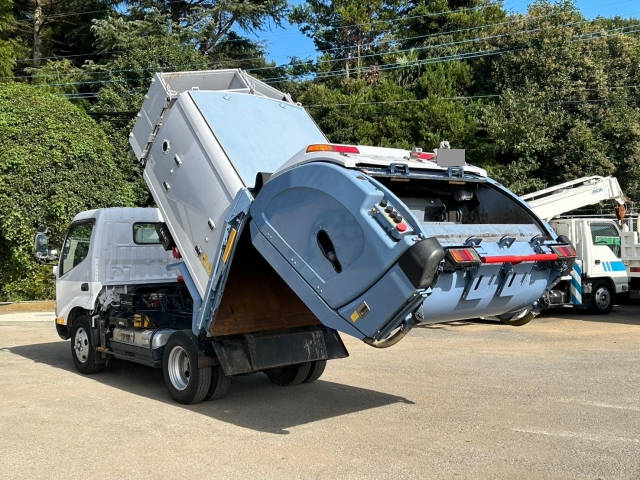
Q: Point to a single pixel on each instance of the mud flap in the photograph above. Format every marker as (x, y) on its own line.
(254, 352)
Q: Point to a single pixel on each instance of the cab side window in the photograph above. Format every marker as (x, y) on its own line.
(76, 246)
(145, 234)
(606, 234)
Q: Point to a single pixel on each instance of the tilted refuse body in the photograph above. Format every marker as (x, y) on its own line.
(282, 239)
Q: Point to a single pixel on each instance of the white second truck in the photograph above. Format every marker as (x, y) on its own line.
(268, 240)
(607, 251)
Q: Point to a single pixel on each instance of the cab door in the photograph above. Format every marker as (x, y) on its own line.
(606, 251)
(73, 283)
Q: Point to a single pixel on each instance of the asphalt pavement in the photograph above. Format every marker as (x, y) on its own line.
(558, 398)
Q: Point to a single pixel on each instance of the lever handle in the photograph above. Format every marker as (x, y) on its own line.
(328, 250)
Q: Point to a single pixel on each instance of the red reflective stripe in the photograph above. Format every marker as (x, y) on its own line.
(344, 149)
(539, 257)
(635, 269)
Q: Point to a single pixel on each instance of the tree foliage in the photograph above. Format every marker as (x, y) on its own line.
(536, 99)
(55, 162)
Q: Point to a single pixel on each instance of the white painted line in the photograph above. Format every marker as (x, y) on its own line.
(579, 436)
(599, 404)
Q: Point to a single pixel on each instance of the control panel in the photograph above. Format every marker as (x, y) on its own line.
(390, 219)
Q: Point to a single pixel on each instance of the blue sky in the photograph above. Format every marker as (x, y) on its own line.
(283, 43)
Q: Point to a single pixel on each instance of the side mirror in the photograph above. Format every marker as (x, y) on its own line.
(41, 252)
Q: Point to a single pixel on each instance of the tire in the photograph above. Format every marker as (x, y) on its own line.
(316, 370)
(220, 384)
(83, 351)
(185, 382)
(515, 320)
(290, 374)
(601, 298)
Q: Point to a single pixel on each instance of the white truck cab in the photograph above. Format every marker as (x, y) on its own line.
(106, 247)
(599, 273)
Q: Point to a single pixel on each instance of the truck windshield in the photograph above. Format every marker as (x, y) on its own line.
(482, 208)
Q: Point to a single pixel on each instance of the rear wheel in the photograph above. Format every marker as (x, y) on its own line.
(517, 319)
(289, 374)
(220, 384)
(602, 298)
(185, 381)
(316, 370)
(83, 351)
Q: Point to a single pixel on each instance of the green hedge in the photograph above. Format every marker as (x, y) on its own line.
(54, 162)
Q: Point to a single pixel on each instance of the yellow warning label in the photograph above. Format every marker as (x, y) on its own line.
(355, 316)
(208, 266)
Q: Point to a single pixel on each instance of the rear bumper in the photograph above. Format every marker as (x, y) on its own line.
(490, 290)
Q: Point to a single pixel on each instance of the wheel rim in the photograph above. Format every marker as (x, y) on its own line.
(603, 298)
(81, 345)
(179, 368)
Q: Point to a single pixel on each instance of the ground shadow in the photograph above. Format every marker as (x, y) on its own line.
(253, 402)
(628, 314)
(458, 323)
(624, 314)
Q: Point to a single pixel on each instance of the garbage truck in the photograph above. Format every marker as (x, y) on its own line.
(268, 240)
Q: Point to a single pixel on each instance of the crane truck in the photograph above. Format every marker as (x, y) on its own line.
(606, 254)
(268, 240)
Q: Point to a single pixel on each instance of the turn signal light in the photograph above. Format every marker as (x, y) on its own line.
(464, 256)
(564, 251)
(325, 147)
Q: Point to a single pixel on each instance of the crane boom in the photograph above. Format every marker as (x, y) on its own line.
(553, 201)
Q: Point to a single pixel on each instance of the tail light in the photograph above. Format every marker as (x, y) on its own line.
(326, 147)
(463, 257)
(564, 251)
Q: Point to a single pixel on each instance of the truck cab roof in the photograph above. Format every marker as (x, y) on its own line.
(375, 157)
(121, 213)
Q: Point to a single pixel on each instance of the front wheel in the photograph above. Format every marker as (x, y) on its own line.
(602, 299)
(83, 350)
(185, 381)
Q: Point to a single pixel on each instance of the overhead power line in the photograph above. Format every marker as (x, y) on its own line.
(457, 56)
(327, 50)
(465, 97)
(391, 20)
(432, 46)
(388, 52)
(340, 72)
(388, 66)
